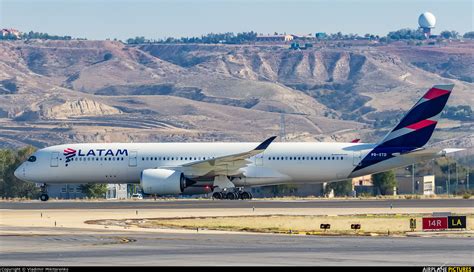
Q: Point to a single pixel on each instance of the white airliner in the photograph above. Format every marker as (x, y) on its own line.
(227, 168)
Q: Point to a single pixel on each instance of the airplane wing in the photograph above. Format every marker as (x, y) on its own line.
(226, 165)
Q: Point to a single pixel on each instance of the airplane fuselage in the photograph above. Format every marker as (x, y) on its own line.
(124, 162)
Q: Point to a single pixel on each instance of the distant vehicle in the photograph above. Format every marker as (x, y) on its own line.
(296, 46)
(226, 168)
(137, 196)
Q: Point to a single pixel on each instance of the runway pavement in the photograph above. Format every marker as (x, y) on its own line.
(28, 235)
(235, 204)
(235, 249)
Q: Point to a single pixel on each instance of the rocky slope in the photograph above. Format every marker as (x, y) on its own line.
(60, 91)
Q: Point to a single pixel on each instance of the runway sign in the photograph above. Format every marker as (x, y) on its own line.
(457, 222)
(325, 226)
(355, 226)
(412, 224)
(435, 223)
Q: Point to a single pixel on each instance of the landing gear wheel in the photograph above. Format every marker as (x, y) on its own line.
(217, 195)
(245, 195)
(44, 197)
(230, 196)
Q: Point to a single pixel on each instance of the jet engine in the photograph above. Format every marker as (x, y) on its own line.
(163, 181)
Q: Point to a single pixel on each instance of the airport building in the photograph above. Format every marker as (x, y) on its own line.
(10, 32)
(74, 191)
(363, 185)
(424, 185)
(274, 38)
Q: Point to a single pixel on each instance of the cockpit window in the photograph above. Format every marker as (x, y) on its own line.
(32, 159)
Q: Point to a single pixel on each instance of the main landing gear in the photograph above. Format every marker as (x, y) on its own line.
(232, 194)
(44, 193)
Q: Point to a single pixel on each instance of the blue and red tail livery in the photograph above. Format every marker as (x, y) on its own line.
(415, 128)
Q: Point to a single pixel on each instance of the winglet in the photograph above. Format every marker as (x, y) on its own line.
(265, 143)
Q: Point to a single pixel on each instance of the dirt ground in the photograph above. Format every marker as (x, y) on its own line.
(38, 221)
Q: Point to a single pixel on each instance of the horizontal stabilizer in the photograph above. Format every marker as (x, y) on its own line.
(428, 152)
(451, 150)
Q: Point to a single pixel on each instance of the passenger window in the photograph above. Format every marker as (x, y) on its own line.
(32, 159)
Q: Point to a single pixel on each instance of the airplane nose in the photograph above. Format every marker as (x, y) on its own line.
(17, 172)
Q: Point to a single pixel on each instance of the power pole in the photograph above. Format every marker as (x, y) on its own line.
(282, 127)
(448, 182)
(413, 178)
(457, 178)
(467, 178)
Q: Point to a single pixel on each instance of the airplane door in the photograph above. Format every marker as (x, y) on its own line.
(357, 158)
(132, 159)
(54, 159)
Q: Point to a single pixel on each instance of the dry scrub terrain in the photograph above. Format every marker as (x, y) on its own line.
(53, 92)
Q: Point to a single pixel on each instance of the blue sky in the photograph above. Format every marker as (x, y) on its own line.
(101, 19)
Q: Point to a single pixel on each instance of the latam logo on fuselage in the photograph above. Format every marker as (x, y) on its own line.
(70, 153)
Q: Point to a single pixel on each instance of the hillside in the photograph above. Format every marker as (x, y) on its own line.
(53, 92)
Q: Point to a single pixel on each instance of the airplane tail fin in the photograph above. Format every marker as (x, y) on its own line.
(417, 126)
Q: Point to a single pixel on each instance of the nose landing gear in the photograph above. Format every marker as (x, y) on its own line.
(44, 192)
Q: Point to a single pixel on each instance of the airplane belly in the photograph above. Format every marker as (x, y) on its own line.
(312, 173)
(100, 173)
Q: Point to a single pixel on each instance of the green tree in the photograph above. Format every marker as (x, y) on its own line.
(10, 186)
(136, 40)
(341, 188)
(284, 189)
(461, 112)
(384, 181)
(406, 34)
(469, 35)
(449, 34)
(94, 190)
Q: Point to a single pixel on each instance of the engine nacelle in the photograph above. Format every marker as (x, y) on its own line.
(162, 182)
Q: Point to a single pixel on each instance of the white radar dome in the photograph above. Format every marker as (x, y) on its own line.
(427, 20)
